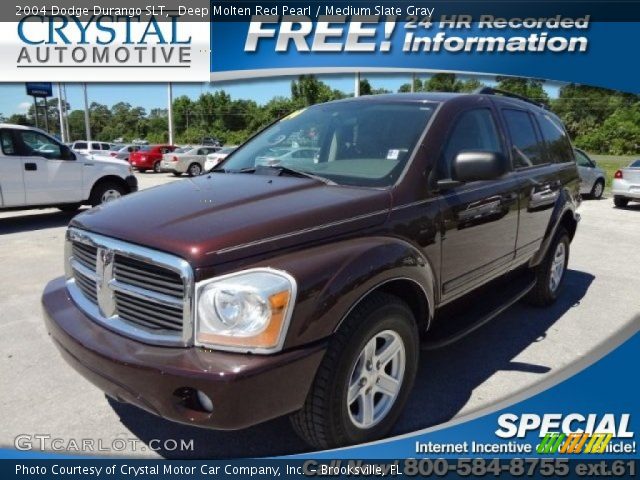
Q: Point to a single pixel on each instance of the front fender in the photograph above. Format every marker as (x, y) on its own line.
(333, 278)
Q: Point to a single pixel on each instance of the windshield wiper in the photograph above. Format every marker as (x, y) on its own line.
(300, 173)
(281, 169)
(241, 170)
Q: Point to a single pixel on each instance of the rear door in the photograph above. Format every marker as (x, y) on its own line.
(49, 177)
(538, 169)
(479, 219)
(11, 171)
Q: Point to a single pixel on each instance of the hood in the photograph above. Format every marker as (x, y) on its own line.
(106, 159)
(221, 217)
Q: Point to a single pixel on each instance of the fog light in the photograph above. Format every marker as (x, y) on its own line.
(205, 401)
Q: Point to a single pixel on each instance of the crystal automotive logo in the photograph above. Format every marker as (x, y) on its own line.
(103, 41)
(572, 433)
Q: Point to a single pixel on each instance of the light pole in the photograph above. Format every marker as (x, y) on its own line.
(170, 111)
(87, 125)
(63, 135)
(356, 91)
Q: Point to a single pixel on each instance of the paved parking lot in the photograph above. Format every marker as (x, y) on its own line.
(41, 395)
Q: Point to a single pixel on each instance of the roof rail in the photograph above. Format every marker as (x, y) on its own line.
(504, 93)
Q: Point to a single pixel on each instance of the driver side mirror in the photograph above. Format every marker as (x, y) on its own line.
(66, 153)
(474, 166)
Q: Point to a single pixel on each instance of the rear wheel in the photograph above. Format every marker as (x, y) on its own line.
(620, 202)
(598, 189)
(194, 170)
(550, 272)
(365, 377)
(106, 192)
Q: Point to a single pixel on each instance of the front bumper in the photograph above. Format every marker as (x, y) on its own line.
(245, 389)
(132, 182)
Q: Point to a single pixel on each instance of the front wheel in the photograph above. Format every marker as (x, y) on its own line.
(550, 272)
(157, 168)
(106, 192)
(597, 190)
(365, 377)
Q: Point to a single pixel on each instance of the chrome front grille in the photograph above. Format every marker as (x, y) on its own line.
(133, 290)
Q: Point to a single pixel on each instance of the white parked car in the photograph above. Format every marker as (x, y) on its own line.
(188, 160)
(213, 159)
(38, 171)
(82, 146)
(626, 185)
(294, 156)
(592, 177)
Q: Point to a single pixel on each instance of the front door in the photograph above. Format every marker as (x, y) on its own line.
(479, 219)
(11, 175)
(49, 178)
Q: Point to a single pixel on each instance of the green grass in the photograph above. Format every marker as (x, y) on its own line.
(611, 163)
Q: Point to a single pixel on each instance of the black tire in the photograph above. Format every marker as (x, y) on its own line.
(325, 421)
(156, 167)
(620, 202)
(598, 189)
(194, 170)
(177, 174)
(542, 293)
(69, 208)
(142, 170)
(101, 188)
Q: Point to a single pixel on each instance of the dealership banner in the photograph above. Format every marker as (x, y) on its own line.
(579, 419)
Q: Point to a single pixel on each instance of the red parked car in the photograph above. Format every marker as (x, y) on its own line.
(149, 157)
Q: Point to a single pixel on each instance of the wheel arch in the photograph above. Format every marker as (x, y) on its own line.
(108, 179)
(334, 278)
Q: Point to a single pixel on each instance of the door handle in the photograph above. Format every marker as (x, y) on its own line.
(31, 167)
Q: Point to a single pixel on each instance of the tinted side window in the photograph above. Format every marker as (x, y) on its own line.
(80, 146)
(7, 143)
(105, 146)
(474, 130)
(558, 144)
(582, 160)
(528, 149)
(39, 145)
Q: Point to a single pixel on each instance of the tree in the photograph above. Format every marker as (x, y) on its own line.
(308, 90)
(19, 119)
(527, 87)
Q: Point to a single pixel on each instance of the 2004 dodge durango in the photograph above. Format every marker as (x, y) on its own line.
(309, 286)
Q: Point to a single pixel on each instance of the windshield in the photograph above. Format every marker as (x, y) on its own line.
(364, 143)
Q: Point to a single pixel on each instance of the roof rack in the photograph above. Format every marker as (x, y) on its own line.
(504, 93)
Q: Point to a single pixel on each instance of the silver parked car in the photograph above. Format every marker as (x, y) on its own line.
(186, 160)
(626, 185)
(592, 177)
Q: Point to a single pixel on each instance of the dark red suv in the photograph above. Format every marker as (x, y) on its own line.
(309, 286)
(149, 157)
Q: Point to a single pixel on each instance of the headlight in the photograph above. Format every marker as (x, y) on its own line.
(246, 311)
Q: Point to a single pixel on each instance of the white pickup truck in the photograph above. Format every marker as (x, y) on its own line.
(38, 171)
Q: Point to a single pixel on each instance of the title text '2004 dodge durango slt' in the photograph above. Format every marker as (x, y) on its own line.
(310, 288)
